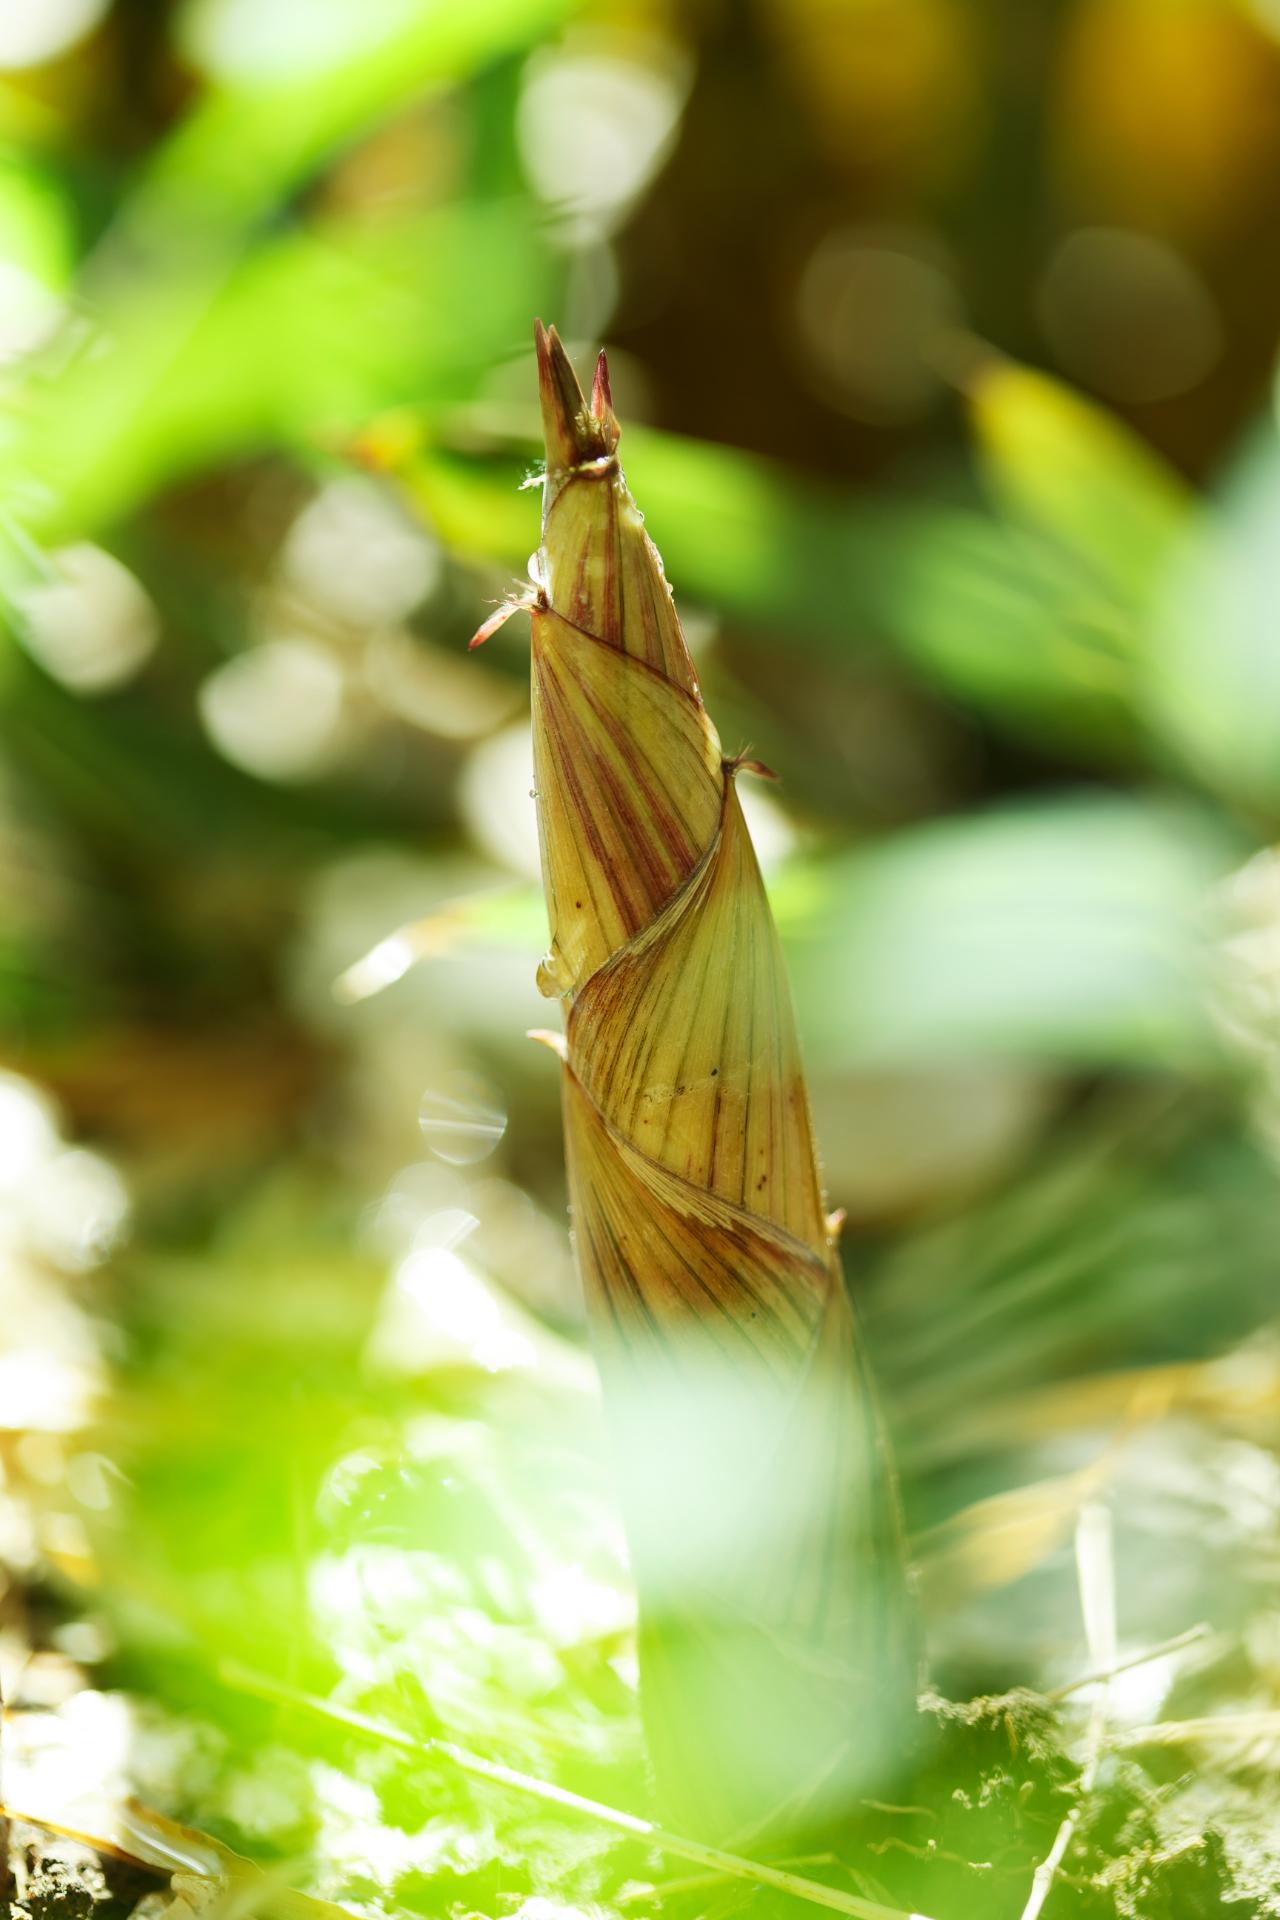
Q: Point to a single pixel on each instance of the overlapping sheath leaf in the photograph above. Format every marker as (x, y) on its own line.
(775, 1640)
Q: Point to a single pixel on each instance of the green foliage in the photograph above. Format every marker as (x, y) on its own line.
(1071, 931)
(288, 1385)
(1210, 671)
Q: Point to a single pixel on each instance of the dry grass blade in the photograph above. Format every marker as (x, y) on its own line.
(453, 922)
(777, 1651)
(1002, 1538)
(1095, 1569)
(223, 1882)
(1261, 1723)
(1193, 1636)
(6, 1870)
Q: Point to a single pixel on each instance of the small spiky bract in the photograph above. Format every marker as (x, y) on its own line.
(777, 1654)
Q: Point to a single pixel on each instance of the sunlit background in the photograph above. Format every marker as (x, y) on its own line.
(942, 332)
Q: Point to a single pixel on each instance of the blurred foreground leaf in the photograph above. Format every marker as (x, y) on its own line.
(1211, 679)
(1010, 622)
(290, 83)
(1143, 1235)
(1063, 930)
(306, 338)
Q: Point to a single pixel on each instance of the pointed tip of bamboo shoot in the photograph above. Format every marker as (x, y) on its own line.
(597, 567)
(602, 402)
(573, 432)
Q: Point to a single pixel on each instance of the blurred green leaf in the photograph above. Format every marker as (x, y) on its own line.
(1065, 930)
(308, 337)
(290, 83)
(204, 350)
(1009, 622)
(763, 544)
(1211, 677)
(35, 228)
(1143, 1235)
(1064, 465)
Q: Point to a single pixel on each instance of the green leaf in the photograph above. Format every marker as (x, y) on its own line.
(291, 83)
(308, 337)
(1054, 461)
(35, 226)
(1065, 930)
(747, 536)
(1010, 623)
(208, 347)
(1211, 679)
(1142, 1234)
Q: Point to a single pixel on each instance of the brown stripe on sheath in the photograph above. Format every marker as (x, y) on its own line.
(619, 838)
(687, 1043)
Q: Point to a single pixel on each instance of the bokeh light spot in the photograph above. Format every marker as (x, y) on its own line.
(33, 31)
(91, 624)
(874, 309)
(264, 40)
(496, 800)
(1128, 315)
(276, 710)
(353, 552)
(594, 124)
(76, 1209)
(462, 1119)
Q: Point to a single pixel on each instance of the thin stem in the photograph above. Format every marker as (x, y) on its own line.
(1173, 1645)
(1225, 1726)
(712, 1859)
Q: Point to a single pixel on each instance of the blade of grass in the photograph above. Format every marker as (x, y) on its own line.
(678, 1846)
(1095, 1569)
(1163, 1648)
(1265, 1722)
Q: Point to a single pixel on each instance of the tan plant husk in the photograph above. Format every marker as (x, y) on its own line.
(777, 1651)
